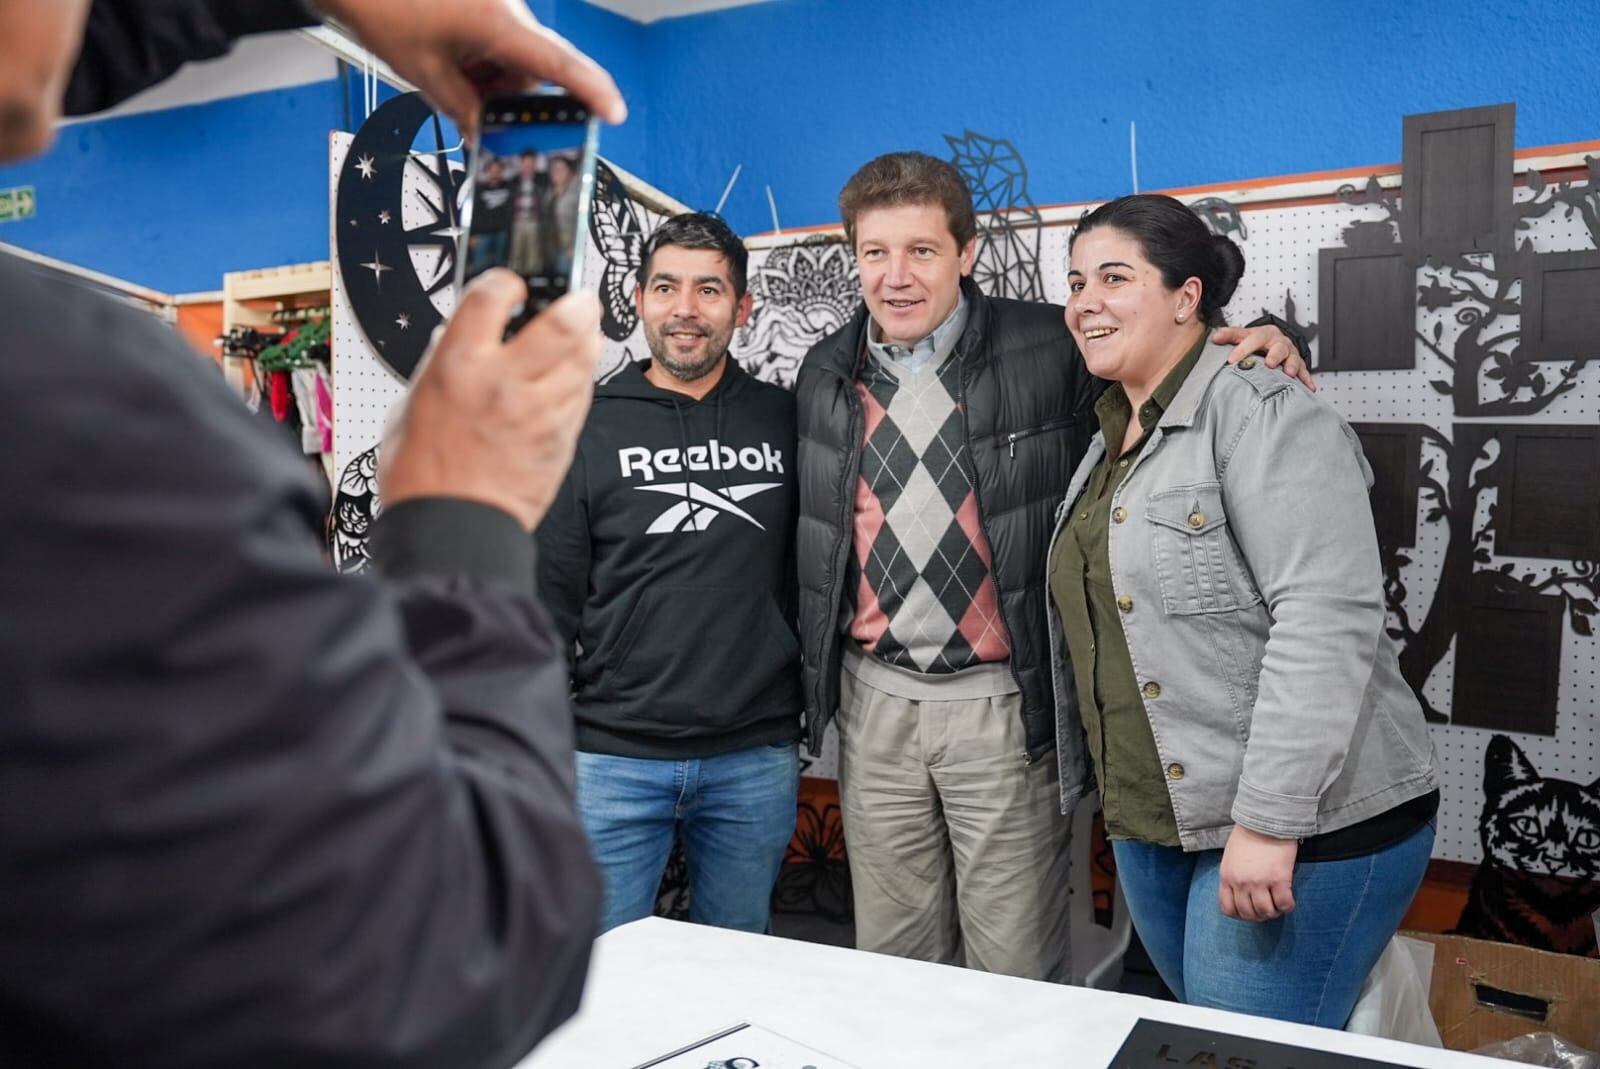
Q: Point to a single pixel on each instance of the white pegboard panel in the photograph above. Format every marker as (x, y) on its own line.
(1281, 258)
(364, 389)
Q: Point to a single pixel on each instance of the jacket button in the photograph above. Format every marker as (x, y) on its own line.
(1125, 603)
(1174, 771)
(1151, 689)
(1197, 520)
(1119, 514)
(1247, 363)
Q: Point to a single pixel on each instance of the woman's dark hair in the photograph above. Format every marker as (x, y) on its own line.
(1177, 243)
(699, 230)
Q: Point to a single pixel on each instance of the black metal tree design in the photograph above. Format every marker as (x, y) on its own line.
(1505, 621)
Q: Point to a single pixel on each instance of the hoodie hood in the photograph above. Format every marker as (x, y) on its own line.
(630, 384)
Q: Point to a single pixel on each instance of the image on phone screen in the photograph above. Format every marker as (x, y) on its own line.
(528, 193)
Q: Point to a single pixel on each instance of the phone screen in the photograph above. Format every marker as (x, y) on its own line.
(532, 182)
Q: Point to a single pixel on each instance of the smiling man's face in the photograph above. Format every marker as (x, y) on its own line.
(911, 269)
(690, 310)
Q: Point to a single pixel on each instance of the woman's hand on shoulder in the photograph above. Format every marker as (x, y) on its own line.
(1257, 875)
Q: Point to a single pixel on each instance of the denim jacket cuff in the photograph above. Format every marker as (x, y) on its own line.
(1284, 816)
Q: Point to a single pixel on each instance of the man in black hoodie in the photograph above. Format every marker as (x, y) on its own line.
(667, 560)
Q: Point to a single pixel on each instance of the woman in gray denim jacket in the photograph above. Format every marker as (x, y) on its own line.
(1266, 773)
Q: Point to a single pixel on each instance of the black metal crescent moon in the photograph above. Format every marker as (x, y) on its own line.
(392, 304)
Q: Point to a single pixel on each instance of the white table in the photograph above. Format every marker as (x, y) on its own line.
(656, 985)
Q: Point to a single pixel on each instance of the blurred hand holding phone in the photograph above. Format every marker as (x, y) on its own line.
(533, 166)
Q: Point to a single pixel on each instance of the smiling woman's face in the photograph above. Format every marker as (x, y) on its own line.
(1119, 309)
(38, 45)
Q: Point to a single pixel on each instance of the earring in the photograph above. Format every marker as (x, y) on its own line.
(1180, 317)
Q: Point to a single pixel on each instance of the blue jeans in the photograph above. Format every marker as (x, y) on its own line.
(1306, 966)
(487, 250)
(737, 813)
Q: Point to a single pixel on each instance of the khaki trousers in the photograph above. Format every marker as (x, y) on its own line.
(958, 849)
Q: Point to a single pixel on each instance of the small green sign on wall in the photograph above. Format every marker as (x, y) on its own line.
(18, 202)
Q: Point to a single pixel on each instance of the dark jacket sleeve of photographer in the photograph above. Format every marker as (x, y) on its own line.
(259, 814)
(130, 45)
(256, 814)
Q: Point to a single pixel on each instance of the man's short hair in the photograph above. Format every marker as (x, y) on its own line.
(699, 230)
(899, 178)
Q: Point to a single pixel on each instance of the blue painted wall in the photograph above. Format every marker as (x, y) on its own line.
(804, 91)
(801, 92)
(172, 199)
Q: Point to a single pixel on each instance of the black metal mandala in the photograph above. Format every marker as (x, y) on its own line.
(393, 304)
(802, 294)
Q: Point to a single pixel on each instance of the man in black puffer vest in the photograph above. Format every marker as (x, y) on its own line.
(938, 431)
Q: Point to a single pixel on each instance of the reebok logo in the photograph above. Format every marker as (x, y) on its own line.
(696, 506)
(713, 456)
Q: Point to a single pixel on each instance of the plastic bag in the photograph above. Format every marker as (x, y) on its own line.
(1542, 1048)
(1393, 1002)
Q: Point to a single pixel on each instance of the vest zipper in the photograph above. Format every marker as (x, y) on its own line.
(1016, 436)
(983, 525)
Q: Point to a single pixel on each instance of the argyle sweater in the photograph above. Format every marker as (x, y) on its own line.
(925, 600)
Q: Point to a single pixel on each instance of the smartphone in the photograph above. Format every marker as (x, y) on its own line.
(532, 186)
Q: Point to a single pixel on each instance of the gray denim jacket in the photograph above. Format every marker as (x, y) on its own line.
(1246, 564)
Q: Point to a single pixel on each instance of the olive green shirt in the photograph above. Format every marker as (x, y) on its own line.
(1133, 791)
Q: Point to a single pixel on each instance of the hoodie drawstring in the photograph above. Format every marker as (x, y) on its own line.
(727, 488)
(692, 524)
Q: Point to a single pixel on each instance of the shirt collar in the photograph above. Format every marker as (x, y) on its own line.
(1113, 409)
(938, 344)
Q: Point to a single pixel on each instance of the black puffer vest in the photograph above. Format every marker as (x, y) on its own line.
(1029, 403)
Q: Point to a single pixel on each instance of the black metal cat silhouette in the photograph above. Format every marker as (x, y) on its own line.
(1539, 883)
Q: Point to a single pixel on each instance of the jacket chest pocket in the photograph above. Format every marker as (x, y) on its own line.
(1199, 568)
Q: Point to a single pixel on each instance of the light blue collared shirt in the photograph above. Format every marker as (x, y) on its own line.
(938, 344)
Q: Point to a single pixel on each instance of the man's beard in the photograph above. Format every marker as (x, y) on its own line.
(686, 370)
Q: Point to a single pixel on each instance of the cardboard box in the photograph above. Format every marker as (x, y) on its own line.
(1485, 992)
